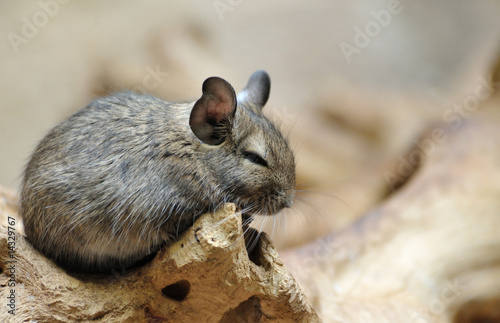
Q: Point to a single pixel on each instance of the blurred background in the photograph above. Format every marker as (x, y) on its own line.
(354, 83)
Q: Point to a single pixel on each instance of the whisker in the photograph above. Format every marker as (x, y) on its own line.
(325, 195)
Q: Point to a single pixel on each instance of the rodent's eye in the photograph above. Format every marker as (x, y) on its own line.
(254, 158)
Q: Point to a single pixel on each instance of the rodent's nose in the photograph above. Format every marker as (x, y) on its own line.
(285, 199)
(288, 202)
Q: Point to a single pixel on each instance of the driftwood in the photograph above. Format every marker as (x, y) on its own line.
(206, 276)
(429, 253)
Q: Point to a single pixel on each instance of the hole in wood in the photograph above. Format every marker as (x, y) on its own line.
(177, 291)
(252, 244)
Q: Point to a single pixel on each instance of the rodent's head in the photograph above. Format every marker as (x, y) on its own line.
(246, 152)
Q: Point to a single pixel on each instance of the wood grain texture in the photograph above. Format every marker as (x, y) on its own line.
(204, 277)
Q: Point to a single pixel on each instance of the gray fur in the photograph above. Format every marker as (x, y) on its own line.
(126, 174)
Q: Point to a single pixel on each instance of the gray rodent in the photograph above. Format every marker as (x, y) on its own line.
(128, 173)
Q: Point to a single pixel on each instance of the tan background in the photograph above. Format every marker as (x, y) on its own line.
(347, 121)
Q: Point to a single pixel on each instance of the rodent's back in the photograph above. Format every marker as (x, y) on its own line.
(110, 185)
(112, 171)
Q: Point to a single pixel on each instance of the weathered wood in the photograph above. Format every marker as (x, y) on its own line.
(430, 252)
(205, 276)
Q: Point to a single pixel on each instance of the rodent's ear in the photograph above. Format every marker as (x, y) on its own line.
(256, 93)
(212, 115)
